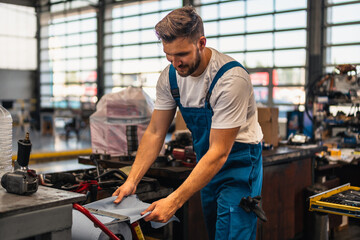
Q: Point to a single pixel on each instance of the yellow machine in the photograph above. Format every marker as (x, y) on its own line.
(342, 200)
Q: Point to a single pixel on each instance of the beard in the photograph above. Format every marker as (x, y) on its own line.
(191, 68)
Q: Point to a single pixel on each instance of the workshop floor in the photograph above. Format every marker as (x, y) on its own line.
(54, 143)
(58, 142)
(350, 232)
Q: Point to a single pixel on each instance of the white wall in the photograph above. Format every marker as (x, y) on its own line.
(16, 84)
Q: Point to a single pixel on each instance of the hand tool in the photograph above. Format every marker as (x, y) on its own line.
(22, 181)
(252, 204)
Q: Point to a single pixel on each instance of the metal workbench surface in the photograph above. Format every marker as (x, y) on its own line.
(285, 154)
(45, 197)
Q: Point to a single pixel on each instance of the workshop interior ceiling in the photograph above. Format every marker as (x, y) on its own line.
(34, 3)
(29, 3)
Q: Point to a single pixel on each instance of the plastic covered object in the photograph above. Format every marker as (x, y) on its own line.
(115, 111)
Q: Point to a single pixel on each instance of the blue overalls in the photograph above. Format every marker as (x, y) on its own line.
(241, 175)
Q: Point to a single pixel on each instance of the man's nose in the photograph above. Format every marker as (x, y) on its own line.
(175, 61)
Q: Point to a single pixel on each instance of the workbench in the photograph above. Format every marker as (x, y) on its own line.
(46, 214)
(288, 170)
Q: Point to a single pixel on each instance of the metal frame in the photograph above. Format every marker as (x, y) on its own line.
(44, 10)
(39, 223)
(105, 34)
(321, 206)
(28, 3)
(316, 33)
(327, 25)
(272, 50)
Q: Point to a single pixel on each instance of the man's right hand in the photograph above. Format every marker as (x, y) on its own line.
(124, 190)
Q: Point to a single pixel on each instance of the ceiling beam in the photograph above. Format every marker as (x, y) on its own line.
(28, 3)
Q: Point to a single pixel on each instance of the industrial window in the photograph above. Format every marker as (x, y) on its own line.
(132, 53)
(269, 38)
(342, 34)
(17, 37)
(68, 55)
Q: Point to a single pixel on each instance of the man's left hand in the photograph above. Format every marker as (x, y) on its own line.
(161, 211)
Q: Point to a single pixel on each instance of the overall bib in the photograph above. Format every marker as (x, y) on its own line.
(241, 175)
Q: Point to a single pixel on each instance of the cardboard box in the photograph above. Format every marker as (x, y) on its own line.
(268, 120)
(179, 122)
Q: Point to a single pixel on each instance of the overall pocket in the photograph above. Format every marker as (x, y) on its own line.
(233, 223)
(242, 224)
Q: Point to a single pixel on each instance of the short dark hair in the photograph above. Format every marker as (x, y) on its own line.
(181, 22)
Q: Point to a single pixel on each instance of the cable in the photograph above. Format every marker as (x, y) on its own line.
(95, 221)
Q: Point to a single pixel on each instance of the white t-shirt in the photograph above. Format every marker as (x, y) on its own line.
(232, 98)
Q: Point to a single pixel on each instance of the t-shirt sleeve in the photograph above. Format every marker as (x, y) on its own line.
(164, 99)
(231, 101)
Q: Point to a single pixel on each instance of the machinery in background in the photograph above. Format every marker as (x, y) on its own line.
(99, 183)
(22, 180)
(343, 200)
(298, 139)
(335, 104)
(96, 186)
(180, 151)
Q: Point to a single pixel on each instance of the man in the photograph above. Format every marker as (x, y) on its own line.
(218, 107)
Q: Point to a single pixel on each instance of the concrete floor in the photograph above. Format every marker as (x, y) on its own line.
(350, 232)
(58, 142)
(54, 143)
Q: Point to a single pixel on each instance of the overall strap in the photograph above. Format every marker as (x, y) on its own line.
(173, 85)
(218, 75)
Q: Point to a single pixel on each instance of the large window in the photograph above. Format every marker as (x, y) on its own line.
(342, 33)
(68, 56)
(17, 48)
(269, 38)
(266, 36)
(133, 54)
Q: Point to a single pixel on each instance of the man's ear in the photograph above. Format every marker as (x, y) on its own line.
(202, 42)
